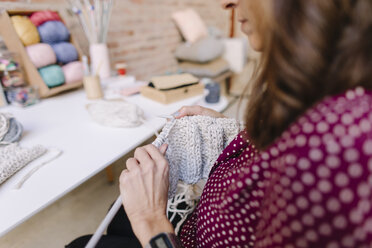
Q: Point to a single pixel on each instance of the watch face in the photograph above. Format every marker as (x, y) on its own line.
(161, 241)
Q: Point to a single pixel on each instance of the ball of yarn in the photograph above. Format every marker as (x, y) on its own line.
(65, 52)
(25, 29)
(39, 17)
(41, 54)
(53, 32)
(74, 72)
(52, 75)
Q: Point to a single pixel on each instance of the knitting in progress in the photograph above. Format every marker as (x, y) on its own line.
(194, 143)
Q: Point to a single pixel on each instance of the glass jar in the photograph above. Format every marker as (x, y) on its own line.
(11, 69)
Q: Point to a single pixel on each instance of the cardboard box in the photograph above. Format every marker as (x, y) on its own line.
(168, 89)
(14, 44)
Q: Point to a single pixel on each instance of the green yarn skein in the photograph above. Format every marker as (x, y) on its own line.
(52, 75)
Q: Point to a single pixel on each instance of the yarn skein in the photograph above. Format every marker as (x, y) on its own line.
(73, 72)
(14, 133)
(52, 75)
(39, 17)
(65, 52)
(25, 29)
(53, 32)
(41, 54)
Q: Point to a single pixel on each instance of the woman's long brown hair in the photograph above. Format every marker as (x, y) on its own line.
(315, 48)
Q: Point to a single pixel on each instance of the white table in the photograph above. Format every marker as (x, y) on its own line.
(62, 122)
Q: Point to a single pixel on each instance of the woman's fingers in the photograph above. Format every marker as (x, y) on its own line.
(197, 110)
(189, 111)
(163, 148)
(144, 189)
(132, 164)
(148, 156)
(143, 157)
(156, 154)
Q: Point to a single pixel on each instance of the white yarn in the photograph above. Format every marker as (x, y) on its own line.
(13, 158)
(116, 113)
(188, 194)
(194, 144)
(56, 154)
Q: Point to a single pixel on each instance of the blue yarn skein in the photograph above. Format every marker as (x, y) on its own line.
(65, 52)
(53, 32)
(52, 75)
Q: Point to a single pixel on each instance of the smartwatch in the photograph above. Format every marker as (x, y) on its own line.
(164, 240)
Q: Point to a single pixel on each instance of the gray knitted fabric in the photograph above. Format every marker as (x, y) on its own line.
(194, 144)
(13, 158)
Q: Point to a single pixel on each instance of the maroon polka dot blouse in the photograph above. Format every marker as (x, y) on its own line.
(311, 188)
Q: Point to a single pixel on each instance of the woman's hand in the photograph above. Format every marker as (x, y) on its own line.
(144, 191)
(197, 110)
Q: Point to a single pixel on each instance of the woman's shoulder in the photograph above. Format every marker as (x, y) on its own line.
(321, 169)
(338, 120)
(336, 131)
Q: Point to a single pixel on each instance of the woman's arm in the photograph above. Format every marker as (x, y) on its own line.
(144, 189)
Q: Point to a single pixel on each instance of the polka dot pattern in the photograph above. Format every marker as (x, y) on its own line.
(311, 188)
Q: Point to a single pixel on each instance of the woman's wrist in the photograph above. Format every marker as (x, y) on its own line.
(146, 228)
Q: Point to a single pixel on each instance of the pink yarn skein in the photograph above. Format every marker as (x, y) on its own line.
(74, 72)
(39, 17)
(41, 54)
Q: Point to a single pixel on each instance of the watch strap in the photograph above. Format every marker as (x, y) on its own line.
(170, 238)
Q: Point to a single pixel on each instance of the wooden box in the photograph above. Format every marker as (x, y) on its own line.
(14, 44)
(168, 89)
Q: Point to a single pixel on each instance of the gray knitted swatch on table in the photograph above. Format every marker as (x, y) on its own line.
(194, 144)
(13, 158)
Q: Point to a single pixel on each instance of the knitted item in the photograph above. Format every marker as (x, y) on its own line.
(194, 144)
(116, 113)
(14, 157)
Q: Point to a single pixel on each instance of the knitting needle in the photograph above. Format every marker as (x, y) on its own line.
(85, 17)
(85, 65)
(97, 11)
(83, 24)
(96, 73)
(166, 116)
(104, 224)
(90, 8)
(104, 18)
(109, 8)
(88, 23)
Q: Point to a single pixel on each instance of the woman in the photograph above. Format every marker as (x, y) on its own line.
(300, 175)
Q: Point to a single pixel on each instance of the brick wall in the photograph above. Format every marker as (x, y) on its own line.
(142, 33)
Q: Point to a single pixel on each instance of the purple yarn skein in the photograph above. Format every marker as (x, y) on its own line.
(53, 32)
(65, 52)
